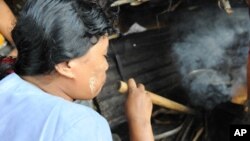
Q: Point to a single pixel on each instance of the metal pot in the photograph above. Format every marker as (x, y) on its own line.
(208, 88)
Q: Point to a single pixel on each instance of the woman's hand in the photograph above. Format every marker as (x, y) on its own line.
(138, 111)
(138, 104)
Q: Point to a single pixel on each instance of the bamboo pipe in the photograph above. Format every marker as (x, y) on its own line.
(159, 100)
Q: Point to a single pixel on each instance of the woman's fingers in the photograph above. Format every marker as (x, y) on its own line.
(131, 85)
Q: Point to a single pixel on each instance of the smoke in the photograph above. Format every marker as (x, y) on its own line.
(212, 54)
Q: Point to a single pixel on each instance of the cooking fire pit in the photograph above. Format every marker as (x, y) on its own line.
(198, 62)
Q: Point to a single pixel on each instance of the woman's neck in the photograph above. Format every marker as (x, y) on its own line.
(50, 85)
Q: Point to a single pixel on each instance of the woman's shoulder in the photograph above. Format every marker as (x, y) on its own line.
(83, 122)
(78, 110)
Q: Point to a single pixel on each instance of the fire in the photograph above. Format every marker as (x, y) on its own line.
(239, 95)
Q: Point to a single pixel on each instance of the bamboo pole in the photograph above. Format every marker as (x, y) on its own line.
(159, 100)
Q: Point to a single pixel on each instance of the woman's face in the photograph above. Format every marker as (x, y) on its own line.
(90, 71)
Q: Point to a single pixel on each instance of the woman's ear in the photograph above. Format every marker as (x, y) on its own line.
(65, 69)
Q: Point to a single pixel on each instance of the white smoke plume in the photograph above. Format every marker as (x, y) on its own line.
(216, 46)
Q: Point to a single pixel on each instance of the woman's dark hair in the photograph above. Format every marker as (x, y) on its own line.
(49, 32)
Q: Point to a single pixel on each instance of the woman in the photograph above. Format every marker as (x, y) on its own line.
(62, 45)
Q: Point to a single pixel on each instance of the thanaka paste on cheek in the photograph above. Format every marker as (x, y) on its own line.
(92, 85)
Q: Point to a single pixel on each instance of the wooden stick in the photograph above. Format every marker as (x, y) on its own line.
(159, 100)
